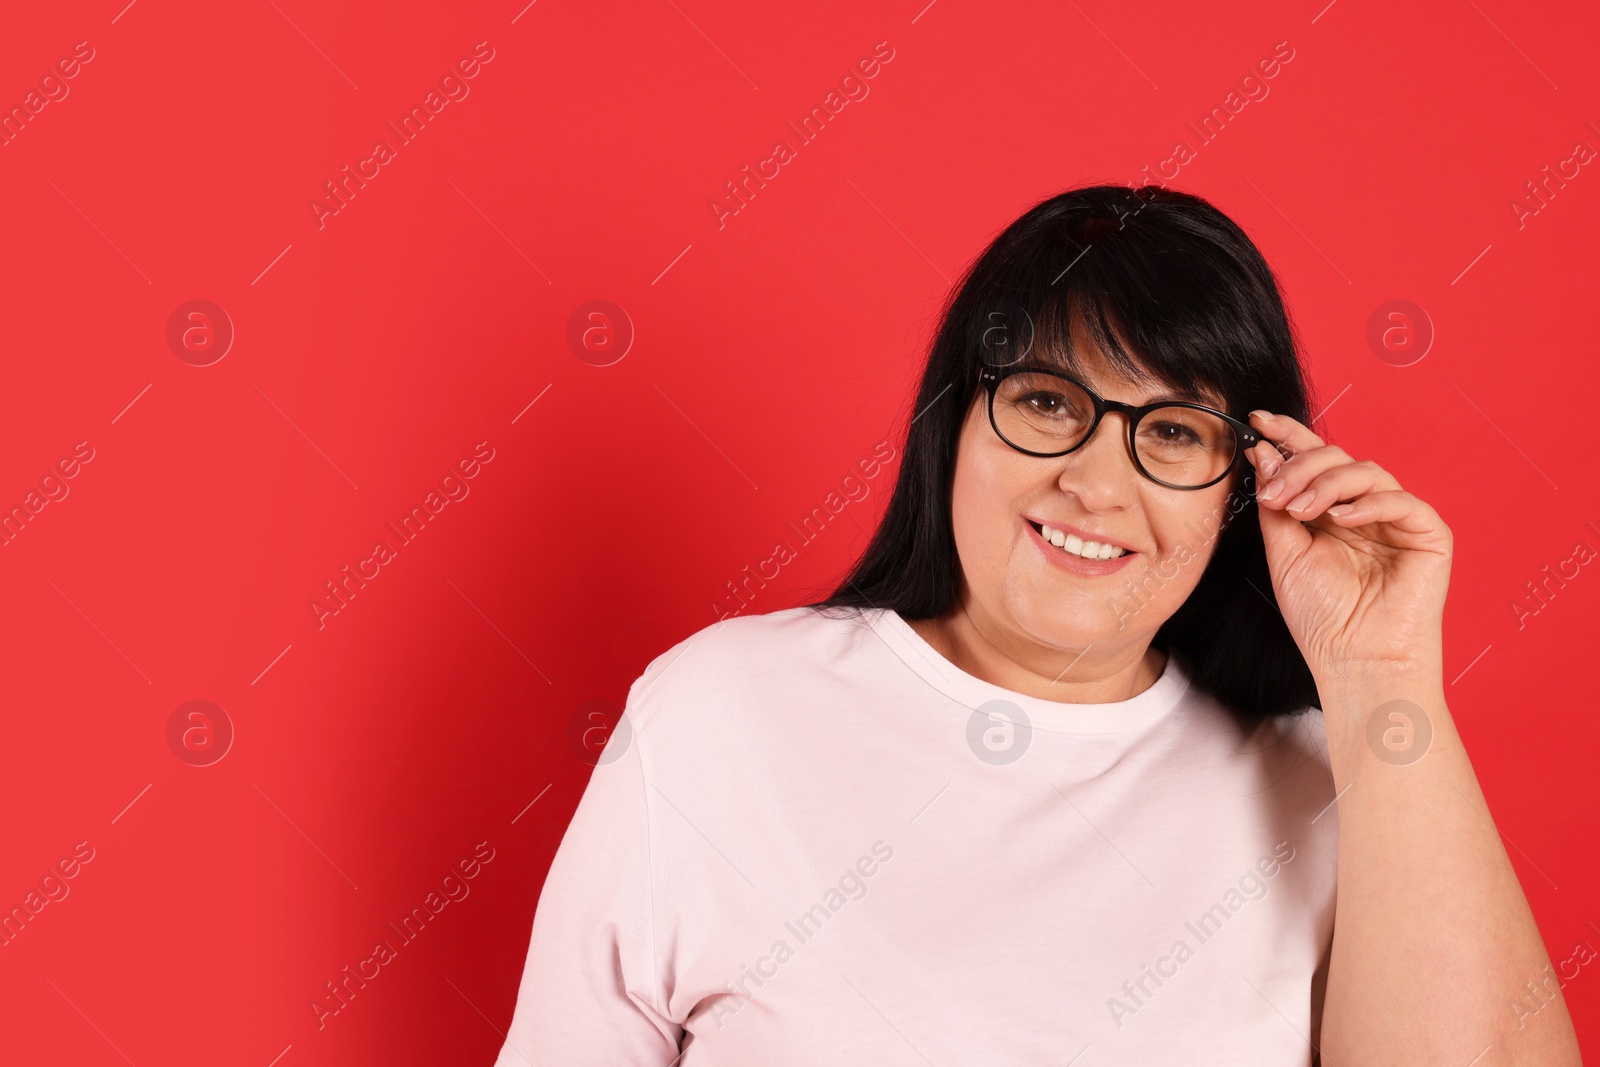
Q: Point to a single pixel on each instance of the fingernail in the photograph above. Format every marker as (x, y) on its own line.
(1264, 416)
(1301, 502)
(1271, 491)
(1341, 509)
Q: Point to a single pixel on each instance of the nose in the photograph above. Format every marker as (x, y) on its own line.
(1100, 472)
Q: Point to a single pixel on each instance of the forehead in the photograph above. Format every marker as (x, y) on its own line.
(1092, 366)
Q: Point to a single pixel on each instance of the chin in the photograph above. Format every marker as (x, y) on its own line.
(1077, 623)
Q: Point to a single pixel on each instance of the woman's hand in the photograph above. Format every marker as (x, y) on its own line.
(1359, 565)
(1363, 594)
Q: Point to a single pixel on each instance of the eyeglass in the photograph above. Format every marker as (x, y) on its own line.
(1177, 444)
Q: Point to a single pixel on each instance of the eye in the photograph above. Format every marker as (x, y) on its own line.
(1046, 403)
(1174, 433)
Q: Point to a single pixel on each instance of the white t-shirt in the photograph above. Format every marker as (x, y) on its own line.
(817, 841)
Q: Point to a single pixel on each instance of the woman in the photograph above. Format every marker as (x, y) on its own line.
(1070, 766)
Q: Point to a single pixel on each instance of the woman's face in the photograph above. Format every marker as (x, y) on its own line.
(1021, 588)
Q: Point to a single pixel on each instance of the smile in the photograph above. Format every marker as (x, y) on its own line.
(1077, 555)
(1077, 546)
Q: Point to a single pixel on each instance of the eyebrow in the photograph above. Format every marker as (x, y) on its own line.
(1191, 395)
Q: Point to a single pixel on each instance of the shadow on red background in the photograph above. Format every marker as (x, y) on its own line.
(415, 322)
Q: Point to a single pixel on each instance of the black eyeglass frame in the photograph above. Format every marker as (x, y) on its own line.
(990, 377)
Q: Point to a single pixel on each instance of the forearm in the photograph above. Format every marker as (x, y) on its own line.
(1433, 940)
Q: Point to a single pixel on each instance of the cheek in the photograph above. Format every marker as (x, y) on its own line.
(1186, 535)
(977, 503)
(984, 495)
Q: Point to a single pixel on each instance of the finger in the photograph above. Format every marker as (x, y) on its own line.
(1402, 510)
(1285, 537)
(1270, 460)
(1305, 492)
(1293, 472)
(1289, 435)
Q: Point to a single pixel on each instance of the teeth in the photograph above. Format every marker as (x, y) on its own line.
(1079, 547)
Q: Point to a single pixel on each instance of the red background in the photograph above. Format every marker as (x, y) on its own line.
(372, 754)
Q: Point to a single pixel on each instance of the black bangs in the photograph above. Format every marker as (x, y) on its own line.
(1171, 293)
(1163, 304)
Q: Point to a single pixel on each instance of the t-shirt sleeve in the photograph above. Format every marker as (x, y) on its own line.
(591, 990)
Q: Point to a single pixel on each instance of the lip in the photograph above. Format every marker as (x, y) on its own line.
(1077, 564)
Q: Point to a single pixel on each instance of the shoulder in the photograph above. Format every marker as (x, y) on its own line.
(1307, 732)
(1287, 752)
(737, 656)
(1278, 776)
(1298, 735)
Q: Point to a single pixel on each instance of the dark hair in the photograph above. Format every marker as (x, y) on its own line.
(1169, 289)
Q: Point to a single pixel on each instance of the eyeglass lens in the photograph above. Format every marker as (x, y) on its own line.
(1181, 446)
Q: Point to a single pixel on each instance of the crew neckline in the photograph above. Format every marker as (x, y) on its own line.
(1138, 711)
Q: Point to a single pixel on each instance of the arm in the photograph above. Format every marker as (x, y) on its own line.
(591, 986)
(1434, 945)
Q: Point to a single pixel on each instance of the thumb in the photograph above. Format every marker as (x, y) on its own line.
(1286, 537)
